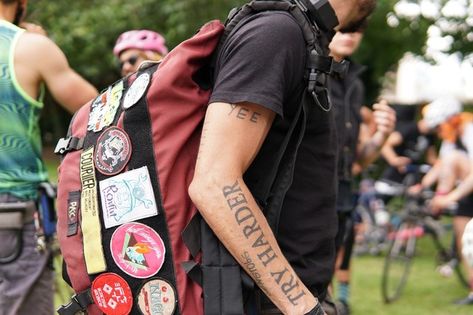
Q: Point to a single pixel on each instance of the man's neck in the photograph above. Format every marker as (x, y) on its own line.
(7, 12)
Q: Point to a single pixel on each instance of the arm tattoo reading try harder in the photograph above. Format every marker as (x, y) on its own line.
(244, 113)
(246, 219)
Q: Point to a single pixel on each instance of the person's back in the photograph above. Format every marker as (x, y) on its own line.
(28, 61)
(21, 167)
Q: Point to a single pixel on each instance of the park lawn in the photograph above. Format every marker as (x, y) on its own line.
(426, 292)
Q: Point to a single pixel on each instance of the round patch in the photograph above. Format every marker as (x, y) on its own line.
(137, 249)
(136, 90)
(113, 151)
(112, 294)
(157, 297)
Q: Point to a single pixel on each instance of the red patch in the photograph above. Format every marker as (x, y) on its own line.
(113, 151)
(112, 294)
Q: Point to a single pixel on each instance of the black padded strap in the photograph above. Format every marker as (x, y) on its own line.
(262, 191)
(191, 235)
(221, 277)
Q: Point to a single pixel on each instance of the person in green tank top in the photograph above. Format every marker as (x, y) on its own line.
(28, 60)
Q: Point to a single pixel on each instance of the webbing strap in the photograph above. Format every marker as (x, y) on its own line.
(78, 303)
(262, 191)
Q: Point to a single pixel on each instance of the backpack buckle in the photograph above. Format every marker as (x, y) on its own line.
(77, 305)
(65, 145)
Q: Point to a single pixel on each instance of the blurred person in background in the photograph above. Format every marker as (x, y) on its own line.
(412, 143)
(28, 61)
(453, 170)
(353, 123)
(135, 46)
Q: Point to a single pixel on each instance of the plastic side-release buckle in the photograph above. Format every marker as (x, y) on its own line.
(341, 68)
(78, 304)
(65, 145)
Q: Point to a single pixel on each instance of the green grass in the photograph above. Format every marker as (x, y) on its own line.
(426, 292)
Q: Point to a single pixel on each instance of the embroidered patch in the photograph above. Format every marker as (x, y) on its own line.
(138, 250)
(114, 95)
(73, 208)
(97, 112)
(104, 108)
(127, 197)
(113, 151)
(157, 297)
(112, 294)
(136, 90)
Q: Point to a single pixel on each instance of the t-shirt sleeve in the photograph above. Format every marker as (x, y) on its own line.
(261, 63)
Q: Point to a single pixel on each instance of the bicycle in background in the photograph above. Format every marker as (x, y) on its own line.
(416, 221)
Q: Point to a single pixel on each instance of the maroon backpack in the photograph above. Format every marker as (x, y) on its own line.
(127, 162)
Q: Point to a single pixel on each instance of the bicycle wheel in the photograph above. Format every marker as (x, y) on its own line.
(398, 261)
(449, 258)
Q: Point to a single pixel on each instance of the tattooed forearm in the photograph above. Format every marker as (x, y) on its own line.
(251, 267)
(245, 218)
(244, 113)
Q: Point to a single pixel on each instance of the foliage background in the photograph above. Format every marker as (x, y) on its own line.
(86, 30)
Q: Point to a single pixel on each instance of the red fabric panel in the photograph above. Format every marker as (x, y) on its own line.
(177, 115)
(69, 180)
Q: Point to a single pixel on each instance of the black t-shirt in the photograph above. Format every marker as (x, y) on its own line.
(347, 95)
(263, 63)
(414, 145)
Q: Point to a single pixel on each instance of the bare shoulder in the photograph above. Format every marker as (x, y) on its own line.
(36, 47)
(38, 52)
(29, 42)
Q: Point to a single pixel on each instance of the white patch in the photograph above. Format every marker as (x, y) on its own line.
(136, 90)
(127, 197)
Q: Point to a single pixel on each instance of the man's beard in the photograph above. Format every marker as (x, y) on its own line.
(355, 26)
(366, 7)
(19, 15)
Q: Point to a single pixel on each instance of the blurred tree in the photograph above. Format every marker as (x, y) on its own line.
(86, 30)
(383, 46)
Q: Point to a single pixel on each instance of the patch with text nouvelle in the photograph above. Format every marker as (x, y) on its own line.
(157, 297)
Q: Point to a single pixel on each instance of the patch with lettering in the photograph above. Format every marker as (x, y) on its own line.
(90, 217)
(113, 151)
(127, 197)
(73, 208)
(138, 250)
(157, 297)
(112, 294)
(136, 90)
(97, 112)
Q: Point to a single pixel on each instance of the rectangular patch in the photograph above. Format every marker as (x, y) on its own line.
(73, 208)
(127, 197)
(91, 230)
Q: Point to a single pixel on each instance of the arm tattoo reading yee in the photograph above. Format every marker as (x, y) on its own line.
(245, 218)
(244, 113)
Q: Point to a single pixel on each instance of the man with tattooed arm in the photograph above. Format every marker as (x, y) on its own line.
(259, 83)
